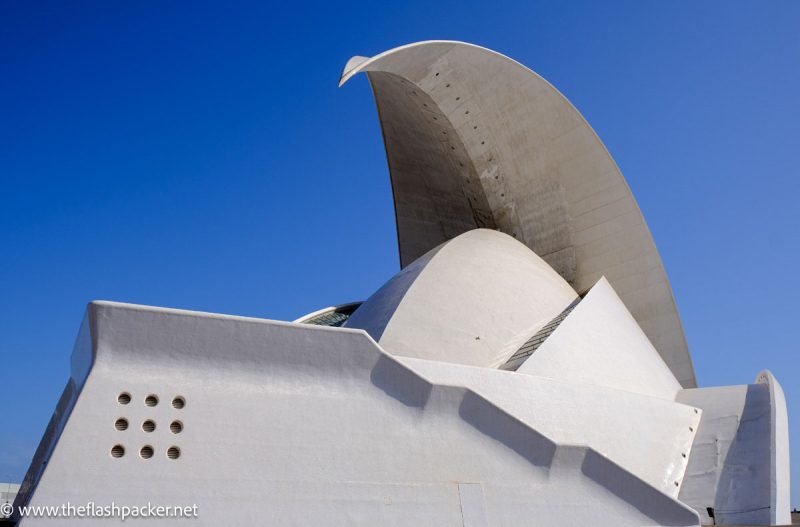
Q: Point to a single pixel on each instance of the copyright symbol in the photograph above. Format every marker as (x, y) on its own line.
(6, 509)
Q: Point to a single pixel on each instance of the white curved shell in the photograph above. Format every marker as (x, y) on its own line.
(474, 139)
(474, 300)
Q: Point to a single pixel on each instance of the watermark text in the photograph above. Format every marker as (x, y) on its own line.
(94, 510)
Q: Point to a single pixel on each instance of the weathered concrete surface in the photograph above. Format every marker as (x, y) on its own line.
(740, 459)
(474, 139)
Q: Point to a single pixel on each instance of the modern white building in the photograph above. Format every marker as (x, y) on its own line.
(525, 366)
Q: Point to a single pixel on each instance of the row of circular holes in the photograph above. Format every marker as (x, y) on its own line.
(146, 452)
(121, 424)
(475, 127)
(152, 400)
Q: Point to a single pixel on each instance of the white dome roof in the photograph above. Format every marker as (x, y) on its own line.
(472, 300)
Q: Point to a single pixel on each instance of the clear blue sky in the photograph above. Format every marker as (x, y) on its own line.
(199, 155)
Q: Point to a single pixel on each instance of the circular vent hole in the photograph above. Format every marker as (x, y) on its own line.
(178, 402)
(151, 400)
(146, 452)
(121, 424)
(149, 425)
(124, 398)
(173, 452)
(176, 427)
(117, 451)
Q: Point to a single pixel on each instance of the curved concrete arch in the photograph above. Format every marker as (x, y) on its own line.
(474, 139)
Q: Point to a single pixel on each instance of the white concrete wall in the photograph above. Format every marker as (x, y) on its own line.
(722, 410)
(779, 481)
(473, 300)
(739, 463)
(288, 424)
(600, 343)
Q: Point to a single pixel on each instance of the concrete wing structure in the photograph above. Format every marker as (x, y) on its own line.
(435, 308)
(475, 139)
(477, 387)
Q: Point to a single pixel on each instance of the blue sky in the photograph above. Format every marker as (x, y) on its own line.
(199, 155)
